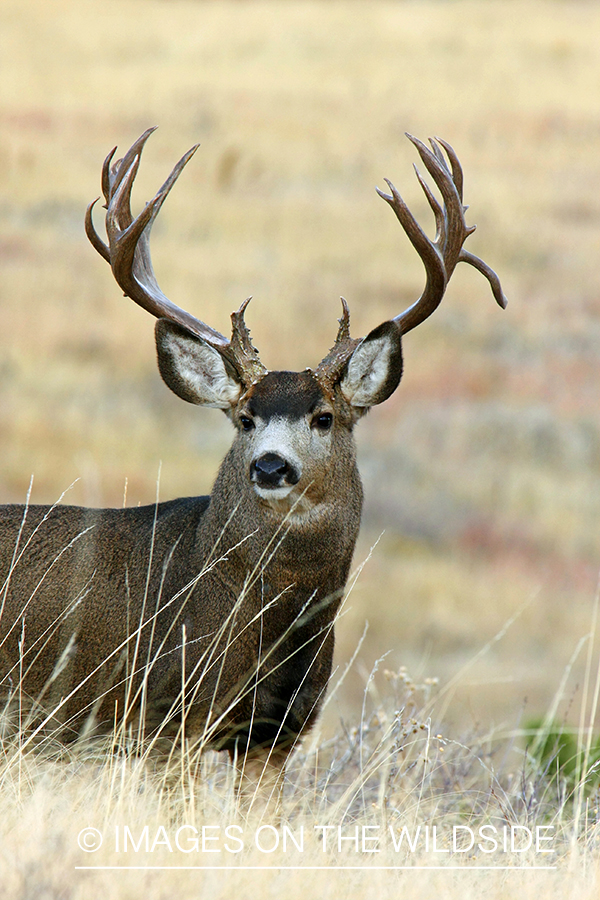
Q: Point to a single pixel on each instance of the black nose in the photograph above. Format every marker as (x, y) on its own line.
(272, 469)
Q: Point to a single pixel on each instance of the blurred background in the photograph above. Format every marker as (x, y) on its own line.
(482, 473)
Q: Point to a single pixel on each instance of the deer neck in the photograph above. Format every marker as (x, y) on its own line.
(312, 542)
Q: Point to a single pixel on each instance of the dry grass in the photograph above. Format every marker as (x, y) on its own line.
(483, 469)
(403, 797)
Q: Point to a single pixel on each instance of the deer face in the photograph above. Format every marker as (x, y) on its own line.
(293, 428)
(286, 427)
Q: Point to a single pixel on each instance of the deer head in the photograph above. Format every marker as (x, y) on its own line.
(287, 423)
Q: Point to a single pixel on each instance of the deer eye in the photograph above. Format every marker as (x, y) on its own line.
(246, 423)
(323, 422)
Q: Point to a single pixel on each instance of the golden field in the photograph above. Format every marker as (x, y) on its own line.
(482, 473)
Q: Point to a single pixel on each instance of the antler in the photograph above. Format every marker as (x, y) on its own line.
(439, 256)
(128, 254)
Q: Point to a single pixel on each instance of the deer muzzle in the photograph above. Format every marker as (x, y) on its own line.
(271, 471)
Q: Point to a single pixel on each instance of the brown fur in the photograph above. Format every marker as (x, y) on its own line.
(258, 621)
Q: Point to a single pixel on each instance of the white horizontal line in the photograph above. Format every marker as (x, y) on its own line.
(366, 868)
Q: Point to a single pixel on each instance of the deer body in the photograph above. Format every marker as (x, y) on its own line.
(140, 576)
(213, 616)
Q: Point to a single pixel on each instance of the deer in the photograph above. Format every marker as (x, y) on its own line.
(210, 620)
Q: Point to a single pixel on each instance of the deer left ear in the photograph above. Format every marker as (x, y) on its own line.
(375, 368)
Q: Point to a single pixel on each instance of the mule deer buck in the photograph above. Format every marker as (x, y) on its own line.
(210, 619)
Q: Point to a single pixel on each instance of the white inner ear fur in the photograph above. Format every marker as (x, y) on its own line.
(367, 371)
(202, 370)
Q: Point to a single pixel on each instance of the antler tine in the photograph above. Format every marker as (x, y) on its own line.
(437, 208)
(328, 371)
(128, 253)
(121, 178)
(457, 172)
(242, 347)
(344, 323)
(488, 272)
(438, 153)
(93, 236)
(106, 176)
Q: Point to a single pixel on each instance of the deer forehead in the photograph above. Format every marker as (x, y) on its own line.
(285, 395)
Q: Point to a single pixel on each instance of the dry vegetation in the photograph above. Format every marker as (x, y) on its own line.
(388, 805)
(484, 469)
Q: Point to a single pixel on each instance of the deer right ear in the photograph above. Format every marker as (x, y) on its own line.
(193, 369)
(375, 368)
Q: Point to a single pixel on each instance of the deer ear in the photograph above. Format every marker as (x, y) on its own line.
(193, 369)
(375, 368)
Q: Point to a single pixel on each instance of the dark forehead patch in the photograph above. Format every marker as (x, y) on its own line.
(290, 394)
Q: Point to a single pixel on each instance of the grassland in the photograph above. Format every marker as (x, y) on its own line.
(483, 471)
